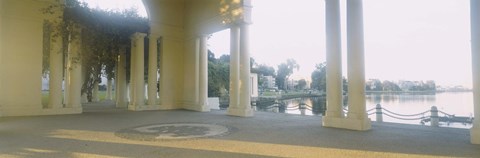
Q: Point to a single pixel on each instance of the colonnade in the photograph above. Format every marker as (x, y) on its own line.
(355, 119)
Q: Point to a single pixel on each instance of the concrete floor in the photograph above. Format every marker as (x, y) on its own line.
(92, 134)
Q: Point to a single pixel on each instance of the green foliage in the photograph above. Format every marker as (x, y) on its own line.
(218, 75)
(103, 33)
(264, 70)
(319, 77)
(301, 84)
(47, 32)
(284, 72)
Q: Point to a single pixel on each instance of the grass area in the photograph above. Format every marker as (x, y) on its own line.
(269, 93)
(45, 96)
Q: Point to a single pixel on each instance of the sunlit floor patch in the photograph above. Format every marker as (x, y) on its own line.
(174, 131)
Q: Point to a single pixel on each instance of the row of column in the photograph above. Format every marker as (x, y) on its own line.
(240, 102)
(137, 82)
(137, 74)
(240, 74)
(73, 79)
(356, 118)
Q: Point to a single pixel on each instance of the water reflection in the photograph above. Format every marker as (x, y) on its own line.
(303, 106)
(406, 98)
(459, 104)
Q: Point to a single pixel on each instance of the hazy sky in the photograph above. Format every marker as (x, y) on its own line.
(404, 39)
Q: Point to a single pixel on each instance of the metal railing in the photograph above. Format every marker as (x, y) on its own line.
(431, 115)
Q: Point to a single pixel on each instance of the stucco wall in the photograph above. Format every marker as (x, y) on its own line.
(1, 52)
(21, 56)
(190, 88)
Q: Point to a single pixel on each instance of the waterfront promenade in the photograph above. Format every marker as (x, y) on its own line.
(107, 132)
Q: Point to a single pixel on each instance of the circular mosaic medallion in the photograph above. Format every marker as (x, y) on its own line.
(173, 131)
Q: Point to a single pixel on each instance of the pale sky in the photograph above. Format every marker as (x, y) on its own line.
(404, 39)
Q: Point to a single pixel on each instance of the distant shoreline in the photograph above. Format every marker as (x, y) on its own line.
(438, 91)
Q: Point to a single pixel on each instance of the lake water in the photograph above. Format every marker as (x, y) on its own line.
(457, 103)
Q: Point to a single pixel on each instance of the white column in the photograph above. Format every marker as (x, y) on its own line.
(83, 96)
(109, 90)
(203, 75)
(334, 60)
(95, 97)
(116, 78)
(75, 71)
(56, 73)
(475, 35)
(121, 98)
(138, 88)
(159, 53)
(131, 84)
(196, 89)
(66, 79)
(244, 108)
(234, 70)
(356, 66)
(152, 69)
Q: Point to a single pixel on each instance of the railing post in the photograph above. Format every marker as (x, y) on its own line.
(276, 108)
(379, 113)
(302, 109)
(434, 117)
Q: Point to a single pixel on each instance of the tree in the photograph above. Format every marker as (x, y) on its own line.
(390, 86)
(218, 74)
(284, 71)
(264, 70)
(319, 77)
(301, 84)
(218, 78)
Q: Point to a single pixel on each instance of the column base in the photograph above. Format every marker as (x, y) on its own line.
(170, 106)
(84, 99)
(121, 104)
(135, 107)
(199, 108)
(241, 112)
(39, 111)
(347, 123)
(475, 134)
(145, 107)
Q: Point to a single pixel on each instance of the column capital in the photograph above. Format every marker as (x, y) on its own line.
(137, 35)
(153, 36)
(236, 11)
(203, 35)
(122, 49)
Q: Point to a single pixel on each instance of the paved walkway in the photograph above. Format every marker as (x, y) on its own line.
(98, 133)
